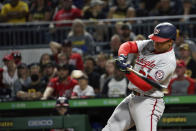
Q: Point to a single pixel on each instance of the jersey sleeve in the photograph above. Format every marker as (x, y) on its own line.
(128, 47)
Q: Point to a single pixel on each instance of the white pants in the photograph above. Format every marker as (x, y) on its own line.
(143, 112)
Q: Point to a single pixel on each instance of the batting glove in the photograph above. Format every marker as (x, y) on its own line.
(121, 63)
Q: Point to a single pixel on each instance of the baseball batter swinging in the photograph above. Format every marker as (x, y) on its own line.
(156, 60)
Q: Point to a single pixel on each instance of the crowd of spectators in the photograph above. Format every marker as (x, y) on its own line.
(48, 10)
(73, 68)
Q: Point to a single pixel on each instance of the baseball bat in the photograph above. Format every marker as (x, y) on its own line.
(149, 81)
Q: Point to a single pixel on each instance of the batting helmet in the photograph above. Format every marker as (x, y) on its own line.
(163, 32)
(62, 102)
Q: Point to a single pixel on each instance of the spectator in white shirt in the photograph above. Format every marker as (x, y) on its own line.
(83, 90)
(10, 75)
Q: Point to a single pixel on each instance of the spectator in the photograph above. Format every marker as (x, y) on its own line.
(57, 5)
(62, 85)
(181, 38)
(11, 74)
(94, 12)
(35, 89)
(127, 34)
(22, 82)
(68, 12)
(93, 76)
(115, 43)
(109, 72)
(44, 59)
(15, 11)
(141, 11)
(116, 86)
(182, 84)
(117, 28)
(75, 59)
(63, 59)
(48, 72)
(55, 48)
(164, 8)
(83, 90)
(40, 10)
(100, 63)
(5, 93)
(121, 10)
(188, 9)
(80, 38)
(185, 55)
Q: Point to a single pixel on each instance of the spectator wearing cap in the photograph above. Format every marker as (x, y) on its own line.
(22, 82)
(83, 90)
(185, 55)
(182, 84)
(11, 74)
(74, 58)
(80, 38)
(127, 34)
(15, 11)
(62, 85)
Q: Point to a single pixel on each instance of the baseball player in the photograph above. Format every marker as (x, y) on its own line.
(156, 60)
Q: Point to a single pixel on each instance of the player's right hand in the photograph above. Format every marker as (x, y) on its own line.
(121, 63)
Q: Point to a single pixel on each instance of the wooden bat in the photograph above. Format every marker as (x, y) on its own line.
(149, 81)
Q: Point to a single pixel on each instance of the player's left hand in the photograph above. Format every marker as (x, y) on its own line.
(121, 63)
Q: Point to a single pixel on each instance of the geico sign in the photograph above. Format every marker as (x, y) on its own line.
(40, 122)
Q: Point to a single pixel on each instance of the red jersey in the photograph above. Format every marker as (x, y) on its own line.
(67, 15)
(76, 60)
(62, 89)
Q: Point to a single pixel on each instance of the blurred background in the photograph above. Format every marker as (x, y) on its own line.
(57, 66)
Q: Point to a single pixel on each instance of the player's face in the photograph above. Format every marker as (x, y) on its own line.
(161, 47)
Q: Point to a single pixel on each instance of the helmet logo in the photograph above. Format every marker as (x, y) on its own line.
(156, 31)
